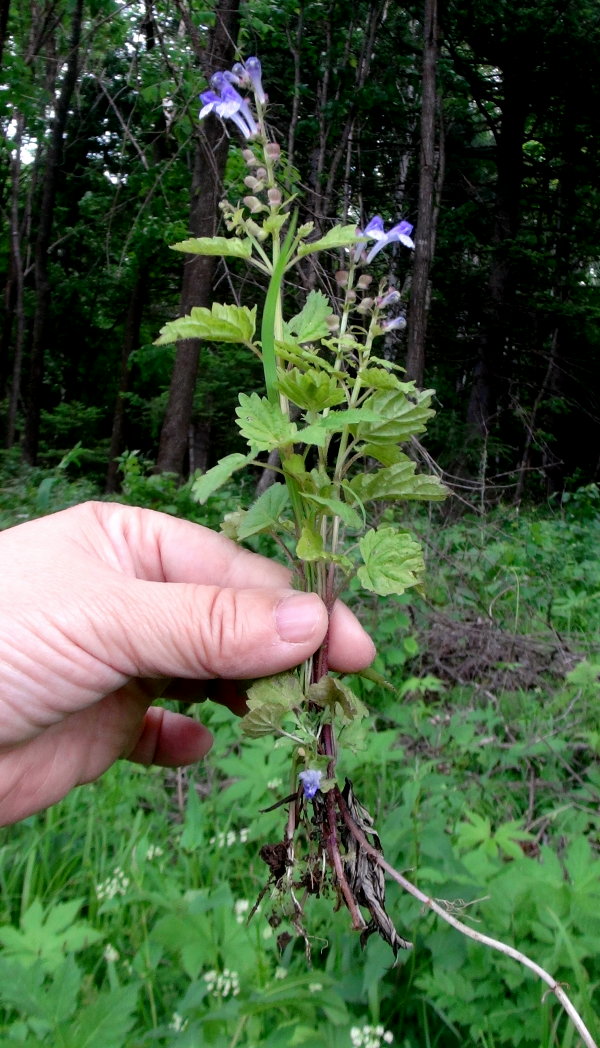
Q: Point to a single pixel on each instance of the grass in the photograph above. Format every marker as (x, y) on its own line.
(123, 910)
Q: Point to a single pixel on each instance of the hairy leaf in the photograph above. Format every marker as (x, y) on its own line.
(224, 246)
(209, 482)
(397, 482)
(339, 236)
(264, 514)
(220, 323)
(309, 324)
(269, 701)
(310, 547)
(399, 416)
(311, 390)
(263, 424)
(331, 692)
(393, 561)
(337, 508)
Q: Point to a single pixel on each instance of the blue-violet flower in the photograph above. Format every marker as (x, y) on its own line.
(311, 780)
(225, 101)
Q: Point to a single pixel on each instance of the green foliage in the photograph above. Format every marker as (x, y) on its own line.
(217, 324)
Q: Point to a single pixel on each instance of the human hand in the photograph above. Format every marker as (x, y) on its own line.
(98, 605)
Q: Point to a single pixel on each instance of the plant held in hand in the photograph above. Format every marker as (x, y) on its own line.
(333, 422)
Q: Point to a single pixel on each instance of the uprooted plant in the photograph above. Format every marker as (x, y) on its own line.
(332, 425)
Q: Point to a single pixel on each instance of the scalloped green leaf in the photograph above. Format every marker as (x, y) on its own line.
(337, 508)
(339, 236)
(220, 323)
(207, 483)
(231, 247)
(400, 417)
(310, 547)
(398, 481)
(264, 514)
(330, 692)
(335, 422)
(310, 389)
(269, 701)
(263, 424)
(393, 561)
(309, 324)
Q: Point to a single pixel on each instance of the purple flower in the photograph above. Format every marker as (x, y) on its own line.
(311, 780)
(225, 101)
(374, 231)
(396, 324)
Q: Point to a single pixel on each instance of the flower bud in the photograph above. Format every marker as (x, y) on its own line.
(341, 277)
(364, 281)
(253, 204)
(252, 182)
(333, 323)
(249, 157)
(273, 150)
(274, 197)
(261, 172)
(389, 298)
(365, 305)
(351, 295)
(257, 231)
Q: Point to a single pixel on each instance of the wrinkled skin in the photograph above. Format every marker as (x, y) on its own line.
(105, 607)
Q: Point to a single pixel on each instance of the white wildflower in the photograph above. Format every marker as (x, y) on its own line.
(113, 886)
(281, 973)
(240, 907)
(110, 954)
(154, 852)
(178, 1023)
(274, 784)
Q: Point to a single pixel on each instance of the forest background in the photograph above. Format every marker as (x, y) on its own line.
(478, 123)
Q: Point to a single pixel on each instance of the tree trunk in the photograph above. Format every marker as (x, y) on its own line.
(490, 376)
(425, 233)
(131, 342)
(45, 222)
(198, 272)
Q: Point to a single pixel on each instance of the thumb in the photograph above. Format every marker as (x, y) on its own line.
(185, 630)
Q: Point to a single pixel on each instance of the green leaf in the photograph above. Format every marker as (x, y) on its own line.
(105, 1022)
(330, 692)
(311, 390)
(207, 483)
(309, 324)
(269, 701)
(337, 508)
(387, 454)
(339, 236)
(399, 416)
(223, 246)
(263, 424)
(310, 547)
(397, 482)
(220, 323)
(334, 422)
(294, 353)
(393, 561)
(264, 514)
(380, 378)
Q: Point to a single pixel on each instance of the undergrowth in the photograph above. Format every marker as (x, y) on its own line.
(123, 910)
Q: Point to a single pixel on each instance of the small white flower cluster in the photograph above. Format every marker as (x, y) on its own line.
(110, 954)
(154, 852)
(370, 1036)
(178, 1023)
(222, 984)
(274, 784)
(113, 886)
(241, 907)
(225, 840)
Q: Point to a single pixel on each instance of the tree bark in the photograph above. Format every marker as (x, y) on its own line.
(490, 377)
(131, 341)
(210, 156)
(45, 222)
(425, 233)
